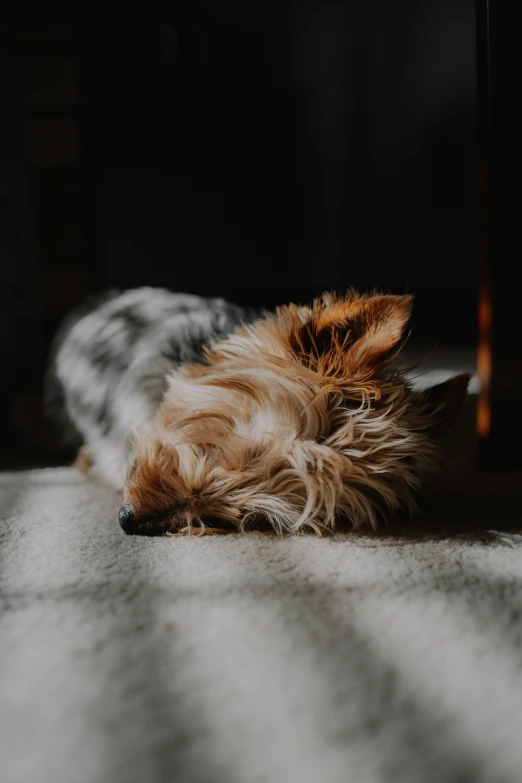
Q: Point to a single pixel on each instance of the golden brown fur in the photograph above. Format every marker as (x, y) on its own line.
(297, 422)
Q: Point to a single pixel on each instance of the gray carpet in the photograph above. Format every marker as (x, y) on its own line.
(249, 659)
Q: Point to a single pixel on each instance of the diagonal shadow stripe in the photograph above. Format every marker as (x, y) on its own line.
(156, 722)
(370, 699)
(370, 703)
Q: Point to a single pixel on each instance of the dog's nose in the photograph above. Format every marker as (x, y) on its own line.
(126, 517)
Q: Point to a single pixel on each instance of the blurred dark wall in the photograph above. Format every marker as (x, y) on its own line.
(268, 154)
(260, 151)
(21, 309)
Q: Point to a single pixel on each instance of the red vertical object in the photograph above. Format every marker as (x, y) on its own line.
(499, 418)
(484, 186)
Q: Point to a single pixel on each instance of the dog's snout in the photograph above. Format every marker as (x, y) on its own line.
(126, 517)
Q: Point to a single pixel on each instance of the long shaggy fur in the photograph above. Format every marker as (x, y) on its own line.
(296, 420)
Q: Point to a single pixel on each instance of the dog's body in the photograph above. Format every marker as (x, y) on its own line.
(210, 418)
(110, 364)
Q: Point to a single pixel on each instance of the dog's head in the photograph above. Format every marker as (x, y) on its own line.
(298, 421)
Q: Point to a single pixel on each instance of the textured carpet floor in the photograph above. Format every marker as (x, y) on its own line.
(238, 659)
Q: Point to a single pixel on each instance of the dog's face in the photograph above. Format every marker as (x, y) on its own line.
(297, 422)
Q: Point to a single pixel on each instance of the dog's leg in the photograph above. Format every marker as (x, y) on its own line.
(83, 462)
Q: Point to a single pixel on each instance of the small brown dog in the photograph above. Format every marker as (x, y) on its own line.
(296, 421)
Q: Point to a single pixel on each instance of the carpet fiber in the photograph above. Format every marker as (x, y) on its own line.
(239, 659)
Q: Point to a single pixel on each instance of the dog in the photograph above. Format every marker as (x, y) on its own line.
(212, 418)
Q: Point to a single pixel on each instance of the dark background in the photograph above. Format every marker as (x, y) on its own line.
(260, 151)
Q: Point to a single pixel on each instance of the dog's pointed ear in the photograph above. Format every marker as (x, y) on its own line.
(445, 400)
(350, 333)
(379, 327)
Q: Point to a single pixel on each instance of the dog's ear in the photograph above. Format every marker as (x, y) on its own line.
(445, 400)
(349, 334)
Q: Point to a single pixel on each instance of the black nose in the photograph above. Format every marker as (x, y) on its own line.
(126, 517)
